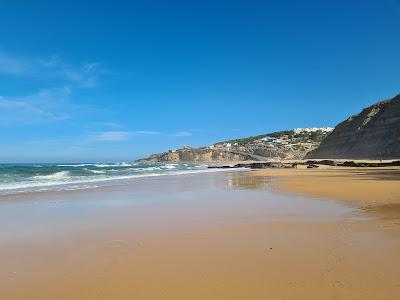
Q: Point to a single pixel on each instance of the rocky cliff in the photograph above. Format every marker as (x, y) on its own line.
(194, 155)
(372, 134)
(290, 144)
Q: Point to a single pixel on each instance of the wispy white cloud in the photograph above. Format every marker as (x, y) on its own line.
(182, 133)
(43, 106)
(86, 75)
(112, 136)
(48, 104)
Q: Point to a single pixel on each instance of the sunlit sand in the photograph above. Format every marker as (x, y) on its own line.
(207, 236)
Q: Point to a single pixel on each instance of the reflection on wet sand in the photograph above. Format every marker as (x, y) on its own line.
(240, 181)
(363, 187)
(387, 212)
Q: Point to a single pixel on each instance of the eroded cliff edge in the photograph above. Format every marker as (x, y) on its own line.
(374, 133)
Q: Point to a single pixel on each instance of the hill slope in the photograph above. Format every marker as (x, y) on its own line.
(372, 134)
(289, 144)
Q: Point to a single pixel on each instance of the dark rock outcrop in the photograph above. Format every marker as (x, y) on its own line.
(372, 134)
(311, 164)
(353, 164)
(260, 165)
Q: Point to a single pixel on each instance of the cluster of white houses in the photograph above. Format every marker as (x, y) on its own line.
(312, 129)
(282, 140)
(222, 146)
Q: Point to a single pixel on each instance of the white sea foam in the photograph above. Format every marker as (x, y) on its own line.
(112, 165)
(57, 175)
(169, 166)
(96, 171)
(63, 181)
(76, 165)
(146, 169)
(122, 164)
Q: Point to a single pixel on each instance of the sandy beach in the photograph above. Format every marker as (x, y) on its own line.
(366, 186)
(230, 235)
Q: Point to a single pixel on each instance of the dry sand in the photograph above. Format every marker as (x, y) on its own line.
(212, 236)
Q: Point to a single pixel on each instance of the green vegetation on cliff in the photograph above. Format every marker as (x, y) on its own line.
(314, 136)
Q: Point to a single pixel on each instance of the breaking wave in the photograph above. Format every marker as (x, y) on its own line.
(57, 175)
(44, 177)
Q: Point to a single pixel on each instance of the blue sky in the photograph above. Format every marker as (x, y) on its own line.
(116, 81)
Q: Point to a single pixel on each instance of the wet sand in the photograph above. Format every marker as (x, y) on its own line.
(367, 186)
(206, 236)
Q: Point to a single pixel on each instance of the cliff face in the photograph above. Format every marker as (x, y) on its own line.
(372, 134)
(194, 155)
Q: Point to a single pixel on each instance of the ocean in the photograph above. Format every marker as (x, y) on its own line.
(22, 178)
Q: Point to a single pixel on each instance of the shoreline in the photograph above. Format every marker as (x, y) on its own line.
(93, 183)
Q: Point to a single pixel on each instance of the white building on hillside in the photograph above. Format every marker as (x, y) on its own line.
(312, 129)
(268, 139)
(227, 145)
